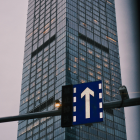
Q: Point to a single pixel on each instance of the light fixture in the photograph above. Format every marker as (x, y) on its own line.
(57, 104)
(123, 92)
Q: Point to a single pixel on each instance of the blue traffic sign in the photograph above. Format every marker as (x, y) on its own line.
(87, 103)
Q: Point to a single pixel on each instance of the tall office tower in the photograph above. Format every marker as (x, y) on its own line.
(69, 42)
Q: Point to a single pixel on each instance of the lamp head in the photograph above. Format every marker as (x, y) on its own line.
(123, 92)
(57, 104)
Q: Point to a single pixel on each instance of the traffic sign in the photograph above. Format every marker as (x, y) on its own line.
(86, 104)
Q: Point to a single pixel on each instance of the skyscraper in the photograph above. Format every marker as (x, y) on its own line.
(69, 42)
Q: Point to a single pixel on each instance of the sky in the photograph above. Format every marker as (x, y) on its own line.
(13, 16)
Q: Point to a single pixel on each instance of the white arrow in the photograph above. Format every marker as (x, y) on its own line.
(87, 92)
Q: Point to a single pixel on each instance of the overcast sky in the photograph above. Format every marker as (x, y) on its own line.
(13, 15)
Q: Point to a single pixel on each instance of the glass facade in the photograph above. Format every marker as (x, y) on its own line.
(69, 42)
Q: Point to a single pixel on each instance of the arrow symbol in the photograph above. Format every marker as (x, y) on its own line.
(87, 92)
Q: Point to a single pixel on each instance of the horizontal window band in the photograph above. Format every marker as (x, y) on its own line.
(43, 106)
(110, 111)
(93, 43)
(43, 46)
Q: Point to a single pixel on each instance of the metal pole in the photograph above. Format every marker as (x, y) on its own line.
(126, 103)
(31, 116)
(108, 105)
(128, 25)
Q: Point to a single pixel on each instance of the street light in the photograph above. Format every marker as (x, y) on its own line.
(57, 104)
(123, 92)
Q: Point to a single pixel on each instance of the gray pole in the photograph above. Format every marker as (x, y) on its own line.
(108, 105)
(128, 25)
(31, 116)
